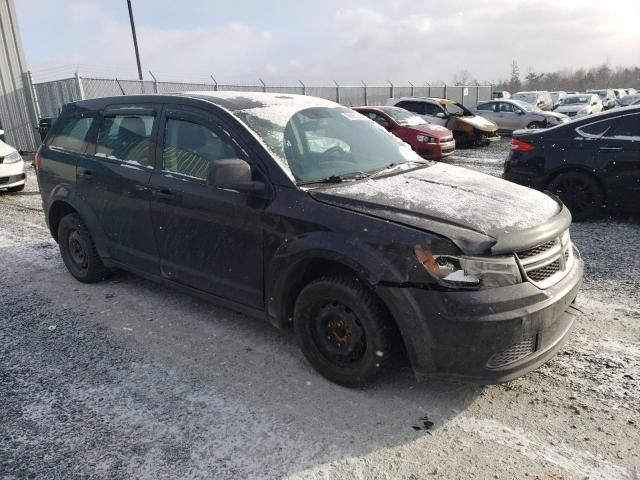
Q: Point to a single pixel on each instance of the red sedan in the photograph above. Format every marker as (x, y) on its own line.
(430, 141)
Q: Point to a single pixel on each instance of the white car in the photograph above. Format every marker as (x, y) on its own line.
(581, 104)
(12, 176)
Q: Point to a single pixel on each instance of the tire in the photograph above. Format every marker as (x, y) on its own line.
(17, 188)
(78, 250)
(580, 192)
(344, 331)
(534, 125)
(480, 139)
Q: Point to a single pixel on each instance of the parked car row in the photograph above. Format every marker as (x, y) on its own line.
(512, 115)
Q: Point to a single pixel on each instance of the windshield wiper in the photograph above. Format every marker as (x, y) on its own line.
(335, 179)
(393, 166)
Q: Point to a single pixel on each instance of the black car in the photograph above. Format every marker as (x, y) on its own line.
(305, 213)
(588, 163)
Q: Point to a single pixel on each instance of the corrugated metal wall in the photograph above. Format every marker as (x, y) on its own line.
(18, 113)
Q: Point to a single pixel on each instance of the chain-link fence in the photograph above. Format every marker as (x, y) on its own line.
(53, 95)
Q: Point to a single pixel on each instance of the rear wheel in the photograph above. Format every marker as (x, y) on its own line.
(580, 192)
(344, 331)
(78, 251)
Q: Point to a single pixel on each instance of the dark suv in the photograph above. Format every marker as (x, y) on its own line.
(300, 211)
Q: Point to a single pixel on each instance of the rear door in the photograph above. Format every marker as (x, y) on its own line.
(619, 150)
(114, 180)
(209, 239)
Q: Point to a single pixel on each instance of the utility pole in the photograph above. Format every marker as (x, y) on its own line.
(135, 40)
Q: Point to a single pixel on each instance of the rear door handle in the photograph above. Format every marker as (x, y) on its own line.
(86, 174)
(164, 194)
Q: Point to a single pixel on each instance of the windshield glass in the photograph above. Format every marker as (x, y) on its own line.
(531, 98)
(628, 100)
(575, 100)
(527, 107)
(325, 141)
(406, 118)
(456, 109)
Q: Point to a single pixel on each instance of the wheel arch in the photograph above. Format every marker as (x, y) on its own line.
(577, 169)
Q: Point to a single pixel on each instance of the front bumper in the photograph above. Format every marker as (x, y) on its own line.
(486, 336)
(435, 151)
(12, 174)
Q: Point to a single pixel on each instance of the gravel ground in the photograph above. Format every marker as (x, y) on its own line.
(129, 379)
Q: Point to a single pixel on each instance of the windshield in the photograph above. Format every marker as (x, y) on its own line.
(575, 100)
(629, 100)
(531, 98)
(456, 109)
(326, 142)
(406, 118)
(527, 107)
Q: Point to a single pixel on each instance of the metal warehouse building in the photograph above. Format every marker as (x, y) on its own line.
(18, 110)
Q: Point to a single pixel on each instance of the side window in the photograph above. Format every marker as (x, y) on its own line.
(627, 126)
(507, 107)
(73, 133)
(485, 107)
(189, 147)
(376, 118)
(126, 137)
(432, 109)
(415, 107)
(597, 129)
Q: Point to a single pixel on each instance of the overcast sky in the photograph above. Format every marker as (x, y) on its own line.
(317, 41)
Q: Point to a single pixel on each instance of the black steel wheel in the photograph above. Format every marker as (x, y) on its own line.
(344, 330)
(580, 192)
(78, 251)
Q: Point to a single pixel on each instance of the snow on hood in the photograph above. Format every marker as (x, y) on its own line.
(479, 122)
(453, 194)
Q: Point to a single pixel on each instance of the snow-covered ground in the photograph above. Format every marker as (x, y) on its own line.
(129, 379)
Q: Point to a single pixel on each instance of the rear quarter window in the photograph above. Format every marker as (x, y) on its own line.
(72, 134)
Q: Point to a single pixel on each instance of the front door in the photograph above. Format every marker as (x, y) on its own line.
(209, 239)
(114, 179)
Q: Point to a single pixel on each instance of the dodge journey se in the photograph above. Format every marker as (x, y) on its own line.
(307, 214)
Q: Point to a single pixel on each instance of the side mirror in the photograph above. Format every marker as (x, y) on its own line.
(520, 112)
(232, 174)
(440, 115)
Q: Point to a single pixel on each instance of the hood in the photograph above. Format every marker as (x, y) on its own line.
(571, 108)
(430, 129)
(479, 122)
(5, 149)
(558, 115)
(472, 209)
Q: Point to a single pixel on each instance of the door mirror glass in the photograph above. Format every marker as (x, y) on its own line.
(440, 115)
(232, 174)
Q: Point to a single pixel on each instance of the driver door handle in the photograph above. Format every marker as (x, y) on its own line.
(163, 193)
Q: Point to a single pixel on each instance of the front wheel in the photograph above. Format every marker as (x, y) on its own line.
(78, 251)
(580, 192)
(534, 125)
(344, 331)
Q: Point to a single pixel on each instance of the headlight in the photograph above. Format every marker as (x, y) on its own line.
(426, 139)
(477, 272)
(584, 110)
(13, 157)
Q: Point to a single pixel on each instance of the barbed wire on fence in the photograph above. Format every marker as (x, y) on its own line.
(51, 96)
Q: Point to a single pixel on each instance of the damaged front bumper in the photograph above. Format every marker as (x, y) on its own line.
(486, 336)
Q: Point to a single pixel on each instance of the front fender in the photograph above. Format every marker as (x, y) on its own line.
(291, 258)
(67, 194)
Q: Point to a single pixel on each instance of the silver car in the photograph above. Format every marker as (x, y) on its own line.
(512, 115)
(540, 98)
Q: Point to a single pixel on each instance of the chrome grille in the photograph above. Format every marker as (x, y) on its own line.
(513, 353)
(537, 250)
(547, 263)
